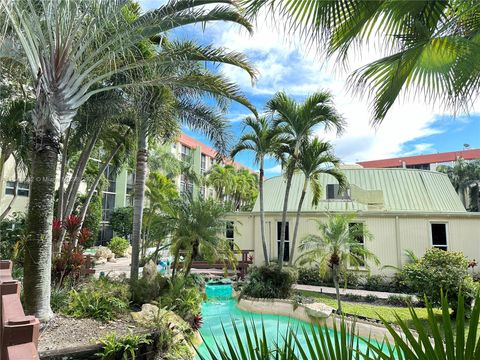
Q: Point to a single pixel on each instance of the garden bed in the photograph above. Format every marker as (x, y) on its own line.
(65, 332)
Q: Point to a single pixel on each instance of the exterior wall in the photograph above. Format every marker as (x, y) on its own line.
(392, 234)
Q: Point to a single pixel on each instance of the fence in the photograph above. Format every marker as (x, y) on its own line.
(18, 333)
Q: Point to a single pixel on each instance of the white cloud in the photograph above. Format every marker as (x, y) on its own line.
(285, 66)
(274, 170)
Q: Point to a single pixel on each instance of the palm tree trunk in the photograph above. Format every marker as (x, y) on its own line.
(297, 221)
(139, 199)
(38, 249)
(284, 218)
(193, 255)
(337, 288)
(176, 255)
(61, 188)
(91, 192)
(262, 212)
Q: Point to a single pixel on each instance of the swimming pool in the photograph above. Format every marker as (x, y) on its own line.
(221, 309)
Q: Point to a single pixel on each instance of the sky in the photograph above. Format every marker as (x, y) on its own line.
(410, 128)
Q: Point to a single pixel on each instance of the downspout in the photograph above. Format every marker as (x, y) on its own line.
(397, 242)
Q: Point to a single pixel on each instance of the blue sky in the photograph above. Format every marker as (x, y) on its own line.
(411, 127)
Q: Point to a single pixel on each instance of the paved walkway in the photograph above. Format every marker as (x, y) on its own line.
(331, 291)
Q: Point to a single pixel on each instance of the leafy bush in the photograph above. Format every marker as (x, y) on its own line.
(12, 233)
(441, 270)
(182, 297)
(270, 282)
(101, 299)
(121, 221)
(118, 246)
(377, 283)
(59, 299)
(93, 218)
(399, 300)
(311, 276)
(353, 297)
(124, 347)
(371, 298)
(145, 290)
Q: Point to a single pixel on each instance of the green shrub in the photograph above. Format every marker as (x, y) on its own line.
(440, 270)
(371, 298)
(124, 347)
(353, 297)
(121, 221)
(118, 245)
(59, 299)
(145, 290)
(93, 218)
(101, 299)
(399, 300)
(311, 276)
(270, 282)
(182, 297)
(377, 283)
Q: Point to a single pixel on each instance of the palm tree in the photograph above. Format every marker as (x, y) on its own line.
(298, 122)
(263, 140)
(337, 247)
(465, 178)
(222, 179)
(199, 229)
(316, 158)
(430, 48)
(70, 46)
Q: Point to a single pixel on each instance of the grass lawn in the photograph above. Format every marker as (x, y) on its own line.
(376, 311)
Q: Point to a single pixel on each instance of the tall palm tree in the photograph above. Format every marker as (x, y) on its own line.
(69, 46)
(336, 247)
(262, 140)
(298, 122)
(430, 48)
(316, 158)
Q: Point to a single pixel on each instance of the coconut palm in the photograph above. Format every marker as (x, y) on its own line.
(70, 46)
(263, 140)
(298, 121)
(316, 158)
(430, 48)
(337, 247)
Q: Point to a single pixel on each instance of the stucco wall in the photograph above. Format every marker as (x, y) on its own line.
(392, 234)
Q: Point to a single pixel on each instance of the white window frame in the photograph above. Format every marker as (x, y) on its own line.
(10, 187)
(442, 247)
(364, 267)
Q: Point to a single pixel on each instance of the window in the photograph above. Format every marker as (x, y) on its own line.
(439, 235)
(333, 192)
(203, 164)
(186, 151)
(203, 192)
(23, 188)
(185, 185)
(230, 233)
(286, 248)
(108, 205)
(10, 188)
(357, 228)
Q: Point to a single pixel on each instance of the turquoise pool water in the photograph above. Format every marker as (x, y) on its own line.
(221, 309)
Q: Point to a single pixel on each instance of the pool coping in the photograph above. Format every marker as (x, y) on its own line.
(289, 308)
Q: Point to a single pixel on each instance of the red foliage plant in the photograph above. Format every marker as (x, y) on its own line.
(56, 227)
(197, 322)
(71, 224)
(84, 235)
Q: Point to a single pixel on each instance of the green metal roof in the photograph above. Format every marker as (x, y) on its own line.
(395, 190)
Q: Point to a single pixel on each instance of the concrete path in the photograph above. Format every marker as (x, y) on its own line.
(331, 291)
(121, 266)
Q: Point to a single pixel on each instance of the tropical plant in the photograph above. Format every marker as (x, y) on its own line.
(69, 48)
(337, 247)
(430, 48)
(198, 228)
(270, 282)
(263, 140)
(297, 122)
(12, 234)
(440, 270)
(316, 158)
(124, 347)
(222, 179)
(118, 245)
(465, 178)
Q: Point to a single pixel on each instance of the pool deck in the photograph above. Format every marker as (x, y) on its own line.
(331, 291)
